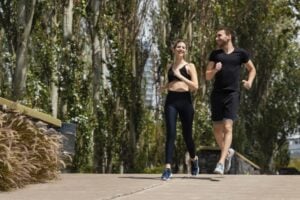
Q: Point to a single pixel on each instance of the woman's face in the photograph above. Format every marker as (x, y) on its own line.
(180, 49)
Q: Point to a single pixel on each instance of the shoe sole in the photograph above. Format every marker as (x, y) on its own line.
(217, 172)
(166, 179)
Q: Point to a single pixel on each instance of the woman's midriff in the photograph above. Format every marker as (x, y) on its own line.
(178, 86)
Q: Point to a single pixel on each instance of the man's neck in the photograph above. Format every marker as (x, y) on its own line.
(228, 48)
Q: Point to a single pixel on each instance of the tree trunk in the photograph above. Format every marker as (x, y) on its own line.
(68, 19)
(97, 70)
(25, 16)
(67, 35)
(100, 161)
(54, 77)
(96, 51)
(205, 31)
(132, 121)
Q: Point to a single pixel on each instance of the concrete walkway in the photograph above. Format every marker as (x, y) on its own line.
(150, 187)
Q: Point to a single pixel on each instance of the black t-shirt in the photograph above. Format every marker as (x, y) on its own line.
(228, 78)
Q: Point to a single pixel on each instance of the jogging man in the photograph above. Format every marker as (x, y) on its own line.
(224, 66)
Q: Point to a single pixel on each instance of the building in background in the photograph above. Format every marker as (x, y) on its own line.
(294, 144)
(150, 77)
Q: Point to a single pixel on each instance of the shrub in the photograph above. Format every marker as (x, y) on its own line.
(28, 153)
(295, 162)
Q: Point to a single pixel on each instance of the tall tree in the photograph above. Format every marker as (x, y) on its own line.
(24, 23)
(17, 24)
(95, 13)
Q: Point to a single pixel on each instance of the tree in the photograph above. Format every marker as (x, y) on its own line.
(25, 16)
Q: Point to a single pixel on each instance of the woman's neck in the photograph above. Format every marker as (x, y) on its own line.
(178, 62)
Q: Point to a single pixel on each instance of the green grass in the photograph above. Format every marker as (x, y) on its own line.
(154, 170)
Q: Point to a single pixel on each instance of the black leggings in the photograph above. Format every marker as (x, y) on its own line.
(181, 103)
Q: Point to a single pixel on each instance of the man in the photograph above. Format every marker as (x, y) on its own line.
(225, 66)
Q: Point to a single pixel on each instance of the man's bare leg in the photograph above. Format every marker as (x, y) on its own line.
(223, 135)
(218, 129)
(227, 128)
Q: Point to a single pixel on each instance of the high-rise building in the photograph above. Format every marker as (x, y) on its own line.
(150, 77)
(294, 144)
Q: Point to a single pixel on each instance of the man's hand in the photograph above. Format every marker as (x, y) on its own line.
(247, 84)
(218, 66)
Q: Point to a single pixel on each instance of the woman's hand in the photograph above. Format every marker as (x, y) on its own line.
(163, 88)
(177, 73)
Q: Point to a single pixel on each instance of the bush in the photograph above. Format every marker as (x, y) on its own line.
(28, 153)
(295, 162)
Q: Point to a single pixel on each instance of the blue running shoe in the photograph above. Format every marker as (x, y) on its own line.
(195, 167)
(166, 175)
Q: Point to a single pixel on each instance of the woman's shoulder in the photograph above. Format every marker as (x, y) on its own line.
(190, 65)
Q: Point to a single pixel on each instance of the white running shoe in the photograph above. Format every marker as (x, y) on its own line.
(228, 160)
(219, 169)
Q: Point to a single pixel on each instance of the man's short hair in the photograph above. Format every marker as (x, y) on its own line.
(228, 31)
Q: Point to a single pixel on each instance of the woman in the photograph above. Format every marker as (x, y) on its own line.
(182, 79)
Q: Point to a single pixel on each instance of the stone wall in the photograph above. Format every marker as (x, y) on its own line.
(208, 158)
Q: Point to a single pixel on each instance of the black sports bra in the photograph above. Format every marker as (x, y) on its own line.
(183, 71)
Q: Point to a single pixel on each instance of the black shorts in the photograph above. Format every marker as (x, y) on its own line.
(224, 105)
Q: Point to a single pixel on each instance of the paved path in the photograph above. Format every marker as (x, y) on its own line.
(150, 187)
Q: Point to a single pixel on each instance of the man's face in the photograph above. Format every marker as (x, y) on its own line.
(222, 39)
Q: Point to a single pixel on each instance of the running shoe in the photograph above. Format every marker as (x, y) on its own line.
(195, 166)
(166, 175)
(228, 160)
(219, 169)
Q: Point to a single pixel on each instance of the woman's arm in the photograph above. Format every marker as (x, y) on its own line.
(193, 83)
(164, 86)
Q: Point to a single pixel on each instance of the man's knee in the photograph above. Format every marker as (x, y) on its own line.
(228, 127)
(218, 128)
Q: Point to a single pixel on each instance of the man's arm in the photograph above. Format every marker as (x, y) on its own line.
(212, 69)
(251, 74)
